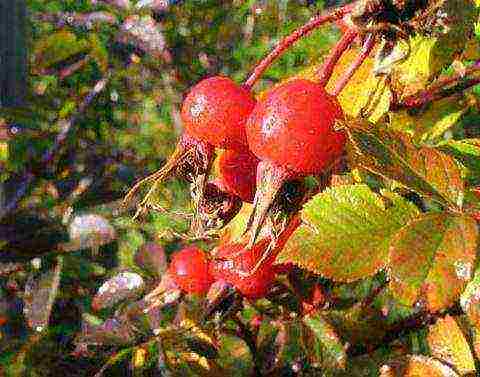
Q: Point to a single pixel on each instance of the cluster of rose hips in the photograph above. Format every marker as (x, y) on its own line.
(287, 134)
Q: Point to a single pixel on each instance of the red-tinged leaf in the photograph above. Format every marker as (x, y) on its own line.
(346, 232)
(40, 294)
(120, 287)
(466, 151)
(393, 155)
(432, 259)
(448, 344)
(416, 366)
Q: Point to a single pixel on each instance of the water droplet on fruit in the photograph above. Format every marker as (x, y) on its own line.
(198, 107)
(463, 270)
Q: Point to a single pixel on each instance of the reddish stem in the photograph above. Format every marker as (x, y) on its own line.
(442, 88)
(327, 68)
(291, 39)
(366, 49)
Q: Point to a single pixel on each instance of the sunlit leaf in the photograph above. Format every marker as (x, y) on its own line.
(470, 300)
(393, 155)
(429, 125)
(416, 366)
(365, 94)
(346, 232)
(467, 151)
(40, 294)
(432, 259)
(428, 55)
(448, 344)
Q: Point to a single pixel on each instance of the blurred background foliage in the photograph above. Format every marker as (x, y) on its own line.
(150, 56)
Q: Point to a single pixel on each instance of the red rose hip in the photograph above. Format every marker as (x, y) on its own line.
(292, 131)
(216, 111)
(238, 172)
(189, 270)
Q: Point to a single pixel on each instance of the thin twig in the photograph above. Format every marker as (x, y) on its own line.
(366, 49)
(49, 155)
(291, 39)
(326, 71)
(442, 88)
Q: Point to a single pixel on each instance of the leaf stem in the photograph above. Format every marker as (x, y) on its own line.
(325, 72)
(442, 88)
(289, 40)
(367, 47)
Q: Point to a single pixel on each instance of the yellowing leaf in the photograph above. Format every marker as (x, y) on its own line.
(467, 151)
(432, 259)
(416, 366)
(393, 155)
(346, 232)
(448, 344)
(429, 55)
(429, 125)
(364, 94)
(470, 300)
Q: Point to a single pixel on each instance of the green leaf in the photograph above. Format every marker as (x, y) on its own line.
(393, 155)
(448, 344)
(325, 343)
(467, 151)
(58, 47)
(432, 259)
(346, 232)
(430, 124)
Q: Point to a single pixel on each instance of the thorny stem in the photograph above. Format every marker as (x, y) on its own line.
(327, 68)
(49, 155)
(366, 49)
(291, 39)
(441, 89)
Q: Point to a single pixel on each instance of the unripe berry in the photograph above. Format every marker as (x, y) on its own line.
(189, 269)
(216, 111)
(238, 173)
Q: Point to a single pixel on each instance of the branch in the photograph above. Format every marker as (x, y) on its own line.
(442, 88)
(291, 39)
(48, 156)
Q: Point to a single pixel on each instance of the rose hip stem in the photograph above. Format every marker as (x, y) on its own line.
(442, 88)
(347, 75)
(291, 39)
(325, 72)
